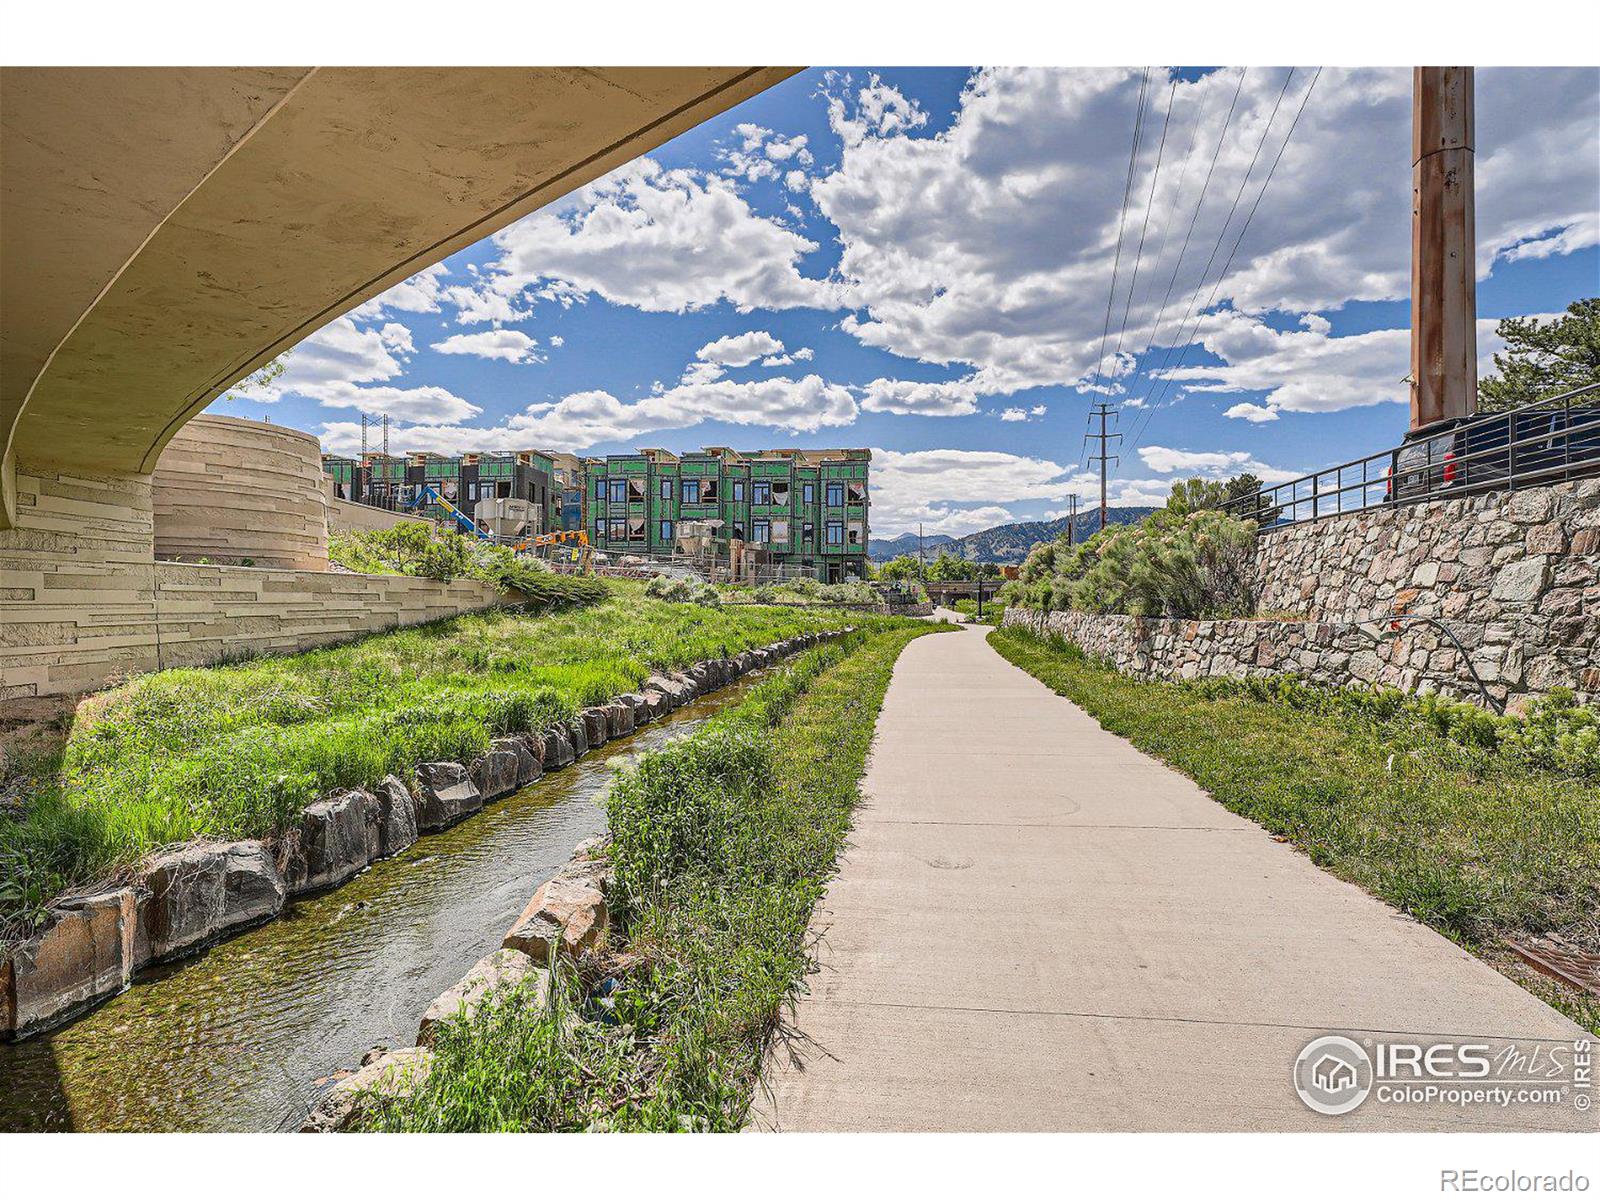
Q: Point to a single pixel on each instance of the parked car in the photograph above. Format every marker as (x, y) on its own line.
(1537, 446)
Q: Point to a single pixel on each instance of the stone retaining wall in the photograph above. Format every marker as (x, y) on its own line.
(1514, 575)
(189, 898)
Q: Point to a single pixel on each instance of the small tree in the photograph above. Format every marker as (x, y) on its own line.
(1543, 359)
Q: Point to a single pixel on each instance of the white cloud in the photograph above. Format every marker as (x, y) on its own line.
(1038, 410)
(953, 398)
(1165, 461)
(558, 341)
(990, 244)
(419, 294)
(740, 349)
(425, 403)
(662, 241)
(1014, 414)
(511, 345)
(584, 419)
(1307, 370)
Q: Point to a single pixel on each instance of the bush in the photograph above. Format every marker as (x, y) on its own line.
(416, 549)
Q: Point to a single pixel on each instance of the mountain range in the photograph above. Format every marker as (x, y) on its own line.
(1004, 544)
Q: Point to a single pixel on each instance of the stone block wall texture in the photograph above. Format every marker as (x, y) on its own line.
(346, 515)
(1515, 576)
(82, 601)
(227, 490)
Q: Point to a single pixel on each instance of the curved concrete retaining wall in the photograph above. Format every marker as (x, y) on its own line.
(192, 897)
(229, 490)
(82, 601)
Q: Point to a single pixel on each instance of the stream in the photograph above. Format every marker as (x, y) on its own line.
(237, 1038)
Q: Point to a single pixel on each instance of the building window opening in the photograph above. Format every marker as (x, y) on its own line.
(666, 489)
(835, 533)
(761, 532)
(666, 531)
(708, 492)
(858, 493)
(762, 492)
(808, 493)
(738, 491)
(855, 533)
(636, 529)
(836, 495)
(691, 491)
(619, 491)
(780, 491)
(636, 491)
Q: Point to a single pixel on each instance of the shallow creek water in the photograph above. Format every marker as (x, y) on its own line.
(237, 1038)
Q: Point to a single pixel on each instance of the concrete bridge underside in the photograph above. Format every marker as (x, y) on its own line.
(164, 232)
(167, 231)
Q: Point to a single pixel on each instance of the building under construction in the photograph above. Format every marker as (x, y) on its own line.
(785, 511)
(519, 488)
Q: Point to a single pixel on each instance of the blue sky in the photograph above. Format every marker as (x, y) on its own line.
(920, 261)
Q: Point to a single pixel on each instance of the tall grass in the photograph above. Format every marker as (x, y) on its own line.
(722, 845)
(238, 751)
(1471, 838)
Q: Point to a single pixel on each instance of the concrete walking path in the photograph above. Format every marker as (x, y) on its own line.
(1038, 927)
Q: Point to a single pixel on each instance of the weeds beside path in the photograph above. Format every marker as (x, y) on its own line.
(722, 845)
(1476, 845)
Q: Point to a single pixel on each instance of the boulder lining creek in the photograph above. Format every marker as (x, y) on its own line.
(248, 1034)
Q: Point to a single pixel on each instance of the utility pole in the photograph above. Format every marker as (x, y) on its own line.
(1072, 520)
(1444, 301)
(922, 558)
(1100, 412)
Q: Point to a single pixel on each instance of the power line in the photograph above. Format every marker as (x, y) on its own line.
(1194, 217)
(1144, 228)
(1101, 410)
(1116, 263)
(1249, 216)
(1151, 399)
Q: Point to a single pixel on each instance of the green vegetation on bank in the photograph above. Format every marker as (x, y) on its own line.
(418, 549)
(1188, 559)
(994, 611)
(1479, 830)
(237, 751)
(722, 844)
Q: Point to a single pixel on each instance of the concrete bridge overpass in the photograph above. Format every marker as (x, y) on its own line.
(167, 231)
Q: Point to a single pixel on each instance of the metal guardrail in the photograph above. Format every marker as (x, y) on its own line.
(1547, 441)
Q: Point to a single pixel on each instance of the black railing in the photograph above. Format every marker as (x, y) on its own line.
(1545, 442)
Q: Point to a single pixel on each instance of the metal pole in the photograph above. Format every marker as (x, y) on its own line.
(1444, 303)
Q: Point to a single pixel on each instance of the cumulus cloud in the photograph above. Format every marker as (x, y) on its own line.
(740, 349)
(658, 240)
(955, 250)
(419, 294)
(584, 419)
(424, 403)
(1307, 370)
(1165, 461)
(953, 398)
(1014, 414)
(511, 345)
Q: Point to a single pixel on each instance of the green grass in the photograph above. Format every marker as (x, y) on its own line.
(722, 845)
(1470, 839)
(237, 751)
(994, 611)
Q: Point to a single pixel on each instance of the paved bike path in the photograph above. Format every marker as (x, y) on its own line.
(1038, 927)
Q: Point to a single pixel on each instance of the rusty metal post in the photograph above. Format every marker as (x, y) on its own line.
(1444, 301)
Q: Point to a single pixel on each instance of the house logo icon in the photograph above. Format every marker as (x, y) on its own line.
(1333, 1075)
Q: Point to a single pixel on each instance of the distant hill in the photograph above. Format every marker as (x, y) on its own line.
(1004, 544)
(883, 549)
